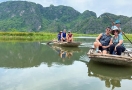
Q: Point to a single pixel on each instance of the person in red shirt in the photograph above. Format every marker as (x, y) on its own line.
(69, 37)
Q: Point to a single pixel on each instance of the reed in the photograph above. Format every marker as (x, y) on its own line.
(31, 36)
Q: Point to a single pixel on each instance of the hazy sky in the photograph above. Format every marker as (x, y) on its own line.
(118, 7)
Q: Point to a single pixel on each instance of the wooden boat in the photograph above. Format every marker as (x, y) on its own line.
(67, 44)
(124, 59)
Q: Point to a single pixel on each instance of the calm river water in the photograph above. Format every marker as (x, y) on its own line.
(37, 66)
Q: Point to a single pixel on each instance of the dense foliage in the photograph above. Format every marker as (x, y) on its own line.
(26, 16)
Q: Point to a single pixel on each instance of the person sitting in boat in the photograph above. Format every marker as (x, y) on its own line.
(118, 25)
(59, 36)
(117, 47)
(69, 37)
(103, 41)
(64, 35)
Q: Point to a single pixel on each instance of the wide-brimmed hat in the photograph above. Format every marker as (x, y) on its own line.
(115, 28)
(117, 22)
(69, 31)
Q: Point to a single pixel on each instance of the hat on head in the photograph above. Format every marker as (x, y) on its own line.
(60, 31)
(115, 28)
(117, 22)
(69, 31)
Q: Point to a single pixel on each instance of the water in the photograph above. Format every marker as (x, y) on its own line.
(36, 66)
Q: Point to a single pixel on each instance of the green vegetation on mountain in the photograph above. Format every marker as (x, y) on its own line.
(23, 16)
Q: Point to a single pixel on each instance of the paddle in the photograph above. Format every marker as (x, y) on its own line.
(119, 29)
(49, 42)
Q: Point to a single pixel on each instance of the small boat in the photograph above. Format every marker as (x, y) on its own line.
(67, 44)
(124, 59)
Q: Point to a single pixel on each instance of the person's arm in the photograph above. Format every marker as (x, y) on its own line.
(61, 35)
(120, 41)
(72, 37)
(67, 37)
(111, 42)
(98, 38)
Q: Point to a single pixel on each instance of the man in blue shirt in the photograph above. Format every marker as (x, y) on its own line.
(63, 35)
(103, 41)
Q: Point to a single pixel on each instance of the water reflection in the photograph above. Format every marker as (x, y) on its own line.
(111, 75)
(25, 54)
(65, 52)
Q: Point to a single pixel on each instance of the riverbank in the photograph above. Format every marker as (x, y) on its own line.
(38, 36)
(31, 36)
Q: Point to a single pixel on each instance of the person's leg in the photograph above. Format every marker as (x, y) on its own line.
(120, 49)
(123, 49)
(96, 46)
(65, 38)
(112, 47)
(62, 39)
(104, 52)
(100, 49)
(69, 39)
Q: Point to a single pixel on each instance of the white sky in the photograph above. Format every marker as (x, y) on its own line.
(117, 7)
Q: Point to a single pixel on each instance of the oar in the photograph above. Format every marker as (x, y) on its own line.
(110, 20)
(127, 37)
(49, 42)
(119, 29)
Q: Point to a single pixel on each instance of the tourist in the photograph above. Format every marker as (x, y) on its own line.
(69, 37)
(59, 36)
(64, 35)
(117, 23)
(103, 41)
(117, 47)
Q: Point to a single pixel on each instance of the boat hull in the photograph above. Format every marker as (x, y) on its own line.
(124, 59)
(66, 44)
